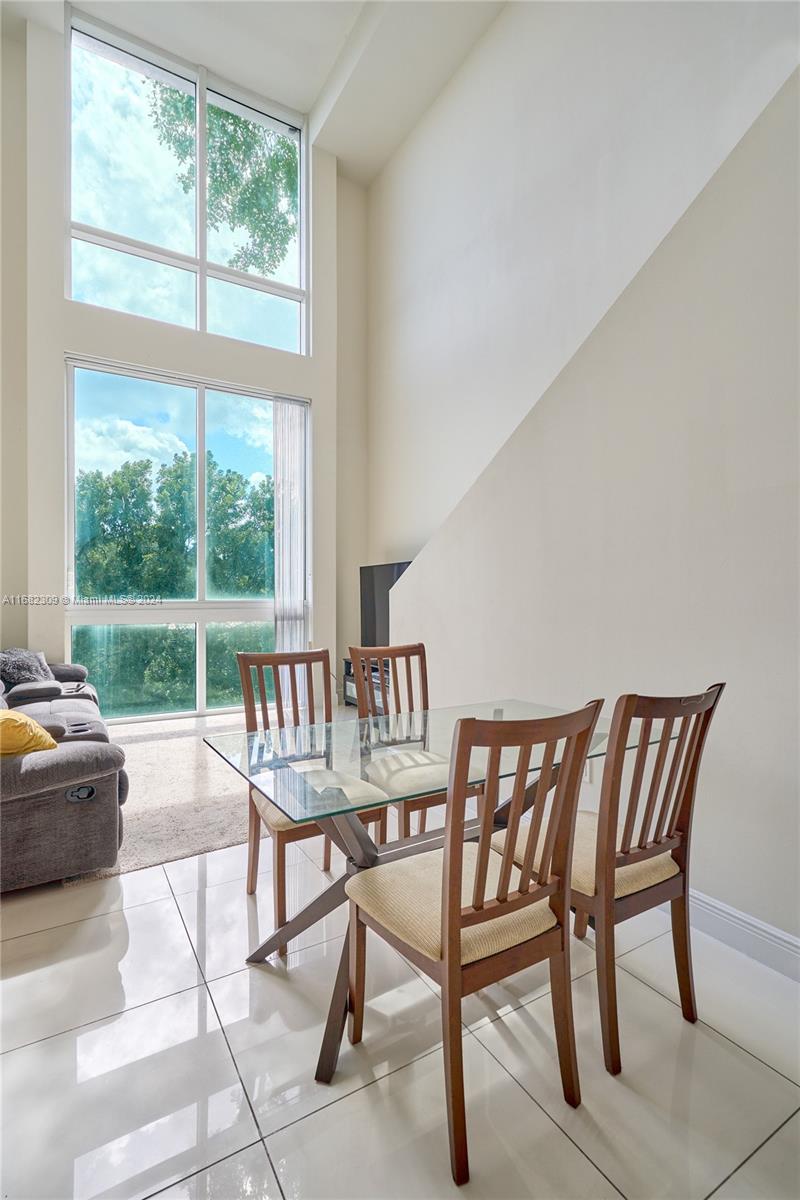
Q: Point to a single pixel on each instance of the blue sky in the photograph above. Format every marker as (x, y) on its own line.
(125, 181)
(119, 418)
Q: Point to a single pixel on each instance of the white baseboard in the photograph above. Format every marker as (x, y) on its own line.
(765, 943)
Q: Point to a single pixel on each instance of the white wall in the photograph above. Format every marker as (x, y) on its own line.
(58, 326)
(13, 429)
(639, 530)
(351, 439)
(559, 155)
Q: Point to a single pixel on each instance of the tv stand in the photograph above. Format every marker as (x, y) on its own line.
(349, 685)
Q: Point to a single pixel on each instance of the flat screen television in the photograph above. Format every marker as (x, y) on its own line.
(376, 583)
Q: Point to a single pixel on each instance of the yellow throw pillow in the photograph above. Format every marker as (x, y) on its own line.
(20, 734)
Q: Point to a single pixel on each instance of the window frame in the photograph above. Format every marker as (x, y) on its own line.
(198, 264)
(201, 611)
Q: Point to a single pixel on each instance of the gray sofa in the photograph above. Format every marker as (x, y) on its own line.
(60, 810)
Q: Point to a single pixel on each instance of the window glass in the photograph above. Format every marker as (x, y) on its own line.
(132, 284)
(253, 316)
(224, 640)
(240, 498)
(135, 510)
(135, 133)
(253, 192)
(139, 669)
(133, 147)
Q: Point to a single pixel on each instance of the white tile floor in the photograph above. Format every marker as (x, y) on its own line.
(141, 1056)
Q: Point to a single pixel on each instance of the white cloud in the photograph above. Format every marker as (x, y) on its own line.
(132, 284)
(105, 443)
(123, 178)
(257, 477)
(240, 417)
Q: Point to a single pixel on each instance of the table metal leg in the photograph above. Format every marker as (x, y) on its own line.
(363, 853)
(352, 838)
(319, 907)
(346, 829)
(337, 1018)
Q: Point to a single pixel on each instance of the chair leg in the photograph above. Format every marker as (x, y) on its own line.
(681, 941)
(581, 923)
(253, 847)
(404, 820)
(279, 884)
(357, 934)
(607, 990)
(423, 819)
(454, 1081)
(383, 828)
(561, 994)
(326, 854)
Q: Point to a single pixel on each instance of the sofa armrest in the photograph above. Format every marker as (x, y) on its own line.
(34, 689)
(68, 672)
(46, 770)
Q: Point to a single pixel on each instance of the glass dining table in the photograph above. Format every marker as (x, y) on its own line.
(328, 773)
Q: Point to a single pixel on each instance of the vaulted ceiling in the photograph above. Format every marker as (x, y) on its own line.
(364, 72)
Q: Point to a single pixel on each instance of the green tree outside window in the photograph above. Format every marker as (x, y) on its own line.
(252, 176)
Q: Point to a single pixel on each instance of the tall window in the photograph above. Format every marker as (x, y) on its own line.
(188, 536)
(185, 202)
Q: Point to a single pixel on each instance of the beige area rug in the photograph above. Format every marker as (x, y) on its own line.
(183, 799)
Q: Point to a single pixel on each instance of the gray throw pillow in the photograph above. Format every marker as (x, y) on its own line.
(23, 666)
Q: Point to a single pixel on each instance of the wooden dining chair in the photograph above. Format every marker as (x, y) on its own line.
(385, 684)
(626, 862)
(292, 678)
(468, 917)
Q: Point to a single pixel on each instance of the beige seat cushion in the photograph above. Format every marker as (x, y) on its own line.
(633, 878)
(406, 897)
(356, 791)
(414, 773)
(409, 773)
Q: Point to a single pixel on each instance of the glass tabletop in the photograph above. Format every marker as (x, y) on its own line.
(324, 770)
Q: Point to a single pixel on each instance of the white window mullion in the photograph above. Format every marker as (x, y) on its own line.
(232, 275)
(201, 192)
(70, 496)
(68, 154)
(304, 208)
(200, 627)
(118, 241)
(200, 663)
(201, 492)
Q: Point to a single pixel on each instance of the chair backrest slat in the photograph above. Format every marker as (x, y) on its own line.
(672, 779)
(655, 781)
(278, 691)
(636, 785)
(298, 670)
(540, 803)
(395, 686)
(490, 794)
(310, 687)
(575, 729)
(262, 692)
(671, 809)
(295, 705)
(693, 742)
(377, 674)
(514, 817)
